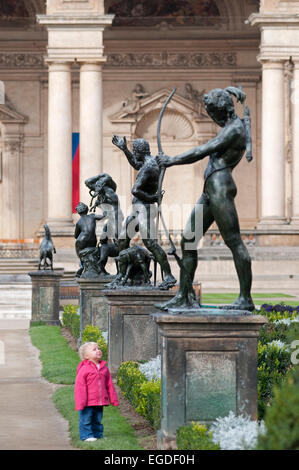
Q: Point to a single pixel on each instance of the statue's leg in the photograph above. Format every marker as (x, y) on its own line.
(146, 221)
(227, 220)
(199, 222)
(127, 232)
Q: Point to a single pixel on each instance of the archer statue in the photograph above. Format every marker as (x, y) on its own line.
(145, 197)
(225, 151)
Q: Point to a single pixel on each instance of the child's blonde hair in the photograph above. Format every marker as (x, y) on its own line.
(84, 347)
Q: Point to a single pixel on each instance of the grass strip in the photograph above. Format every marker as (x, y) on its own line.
(59, 361)
(119, 435)
(59, 364)
(259, 299)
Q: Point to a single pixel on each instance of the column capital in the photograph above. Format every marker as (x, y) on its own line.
(91, 64)
(269, 62)
(59, 64)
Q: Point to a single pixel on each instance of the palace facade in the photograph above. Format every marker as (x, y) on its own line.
(87, 69)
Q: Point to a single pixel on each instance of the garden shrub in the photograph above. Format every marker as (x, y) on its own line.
(71, 319)
(69, 311)
(195, 436)
(94, 334)
(143, 394)
(149, 402)
(281, 418)
(129, 379)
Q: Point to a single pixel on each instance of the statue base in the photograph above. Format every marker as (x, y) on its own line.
(133, 335)
(93, 305)
(45, 296)
(209, 367)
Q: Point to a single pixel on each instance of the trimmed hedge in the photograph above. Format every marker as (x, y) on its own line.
(144, 395)
(71, 319)
(195, 436)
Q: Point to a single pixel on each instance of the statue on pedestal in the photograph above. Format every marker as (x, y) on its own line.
(46, 250)
(225, 151)
(145, 197)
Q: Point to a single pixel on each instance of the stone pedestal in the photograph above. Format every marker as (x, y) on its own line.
(45, 296)
(209, 367)
(133, 335)
(93, 305)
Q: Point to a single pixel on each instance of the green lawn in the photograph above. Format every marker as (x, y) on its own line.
(59, 364)
(118, 433)
(259, 298)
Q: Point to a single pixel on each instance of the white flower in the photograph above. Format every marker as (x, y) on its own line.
(286, 321)
(236, 432)
(152, 368)
(283, 321)
(276, 343)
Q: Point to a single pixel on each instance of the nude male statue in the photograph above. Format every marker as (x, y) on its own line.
(144, 203)
(103, 188)
(225, 152)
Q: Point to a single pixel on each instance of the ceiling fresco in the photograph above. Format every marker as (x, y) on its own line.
(179, 12)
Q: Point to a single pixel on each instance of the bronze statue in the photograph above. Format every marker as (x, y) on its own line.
(145, 197)
(46, 250)
(86, 242)
(134, 263)
(225, 151)
(103, 188)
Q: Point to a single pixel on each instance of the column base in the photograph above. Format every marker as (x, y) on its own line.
(166, 441)
(295, 223)
(271, 223)
(58, 228)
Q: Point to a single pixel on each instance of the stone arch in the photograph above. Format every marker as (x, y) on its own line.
(175, 126)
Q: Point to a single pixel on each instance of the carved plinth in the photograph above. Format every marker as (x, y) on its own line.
(133, 335)
(93, 305)
(45, 296)
(209, 368)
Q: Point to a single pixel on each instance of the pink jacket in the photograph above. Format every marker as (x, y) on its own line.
(93, 386)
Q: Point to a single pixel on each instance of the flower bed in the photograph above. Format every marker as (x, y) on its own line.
(141, 382)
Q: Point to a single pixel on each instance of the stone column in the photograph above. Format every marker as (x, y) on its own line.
(273, 158)
(60, 149)
(295, 142)
(12, 188)
(90, 124)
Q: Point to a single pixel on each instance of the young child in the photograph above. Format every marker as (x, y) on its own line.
(93, 390)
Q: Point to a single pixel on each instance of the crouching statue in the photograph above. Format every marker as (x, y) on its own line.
(133, 265)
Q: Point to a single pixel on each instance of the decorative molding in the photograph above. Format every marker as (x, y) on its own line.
(13, 146)
(172, 59)
(10, 116)
(21, 59)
